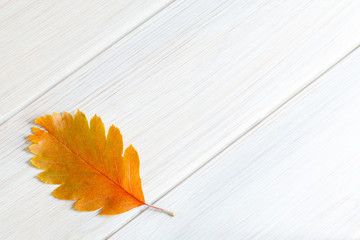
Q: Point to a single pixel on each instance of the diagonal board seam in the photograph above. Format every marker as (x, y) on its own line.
(21, 107)
(244, 134)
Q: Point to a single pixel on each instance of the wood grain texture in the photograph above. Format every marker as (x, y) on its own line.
(42, 42)
(296, 176)
(181, 88)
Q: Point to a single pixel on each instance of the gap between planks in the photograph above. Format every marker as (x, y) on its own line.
(11, 114)
(244, 134)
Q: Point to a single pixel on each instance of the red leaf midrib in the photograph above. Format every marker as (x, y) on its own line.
(89, 164)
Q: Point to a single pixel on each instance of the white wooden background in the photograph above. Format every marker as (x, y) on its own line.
(245, 114)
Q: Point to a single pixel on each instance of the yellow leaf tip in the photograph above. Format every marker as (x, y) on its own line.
(38, 120)
(78, 112)
(31, 148)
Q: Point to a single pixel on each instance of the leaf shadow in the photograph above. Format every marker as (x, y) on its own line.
(27, 143)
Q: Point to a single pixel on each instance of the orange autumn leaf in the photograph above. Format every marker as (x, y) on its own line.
(90, 166)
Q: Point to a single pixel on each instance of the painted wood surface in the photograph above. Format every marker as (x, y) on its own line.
(42, 42)
(181, 87)
(295, 176)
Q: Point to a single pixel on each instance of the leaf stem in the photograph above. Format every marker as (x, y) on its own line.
(165, 211)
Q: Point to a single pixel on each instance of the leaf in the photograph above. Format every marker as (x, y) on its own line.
(90, 167)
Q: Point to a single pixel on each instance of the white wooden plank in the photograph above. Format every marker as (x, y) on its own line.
(41, 42)
(181, 87)
(296, 176)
